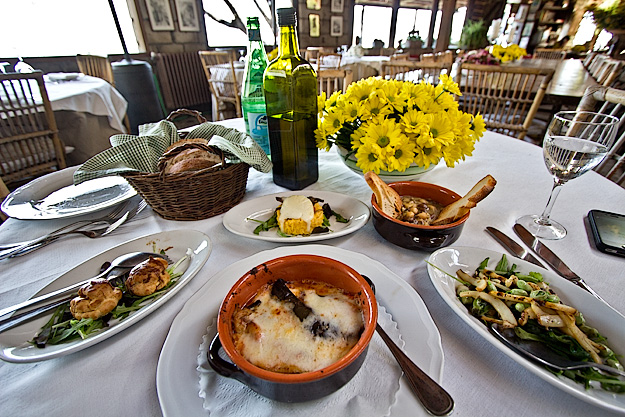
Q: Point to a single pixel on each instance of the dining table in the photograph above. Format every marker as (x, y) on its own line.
(118, 376)
(364, 66)
(88, 111)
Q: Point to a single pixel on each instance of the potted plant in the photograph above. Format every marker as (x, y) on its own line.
(474, 35)
(610, 15)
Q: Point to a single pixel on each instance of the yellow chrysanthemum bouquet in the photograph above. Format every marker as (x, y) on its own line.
(390, 125)
(508, 53)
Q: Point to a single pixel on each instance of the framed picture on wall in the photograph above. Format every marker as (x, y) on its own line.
(160, 15)
(313, 21)
(313, 4)
(187, 16)
(337, 6)
(336, 26)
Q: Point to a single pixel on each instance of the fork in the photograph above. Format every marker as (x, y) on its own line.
(109, 218)
(95, 233)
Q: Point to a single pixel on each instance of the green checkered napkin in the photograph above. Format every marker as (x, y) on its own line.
(140, 153)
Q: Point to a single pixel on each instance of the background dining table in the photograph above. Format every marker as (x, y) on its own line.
(118, 375)
(88, 111)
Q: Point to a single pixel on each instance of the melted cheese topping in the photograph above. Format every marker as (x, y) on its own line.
(296, 207)
(269, 335)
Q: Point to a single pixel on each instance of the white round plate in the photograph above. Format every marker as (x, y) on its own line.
(14, 346)
(599, 315)
(176, 375)
(240, 219)
(55, 196)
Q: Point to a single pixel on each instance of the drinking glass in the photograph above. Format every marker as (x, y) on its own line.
(575, 142)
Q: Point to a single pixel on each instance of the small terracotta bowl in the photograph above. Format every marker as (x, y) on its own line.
(413, 236)
(293, 387)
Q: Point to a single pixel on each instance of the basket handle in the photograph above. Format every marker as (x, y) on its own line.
(186, 112)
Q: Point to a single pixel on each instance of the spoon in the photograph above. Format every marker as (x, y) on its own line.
(542, 354)
(126, 261)
(434, 398)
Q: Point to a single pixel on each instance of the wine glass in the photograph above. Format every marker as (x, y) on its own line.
(575, 142)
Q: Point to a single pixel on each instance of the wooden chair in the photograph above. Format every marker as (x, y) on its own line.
(331, 80)
(445, 56)
(400, 57)
(507, 97)
(29, 141)
(312, 53)
(222, 80)
(96, 66)
(610, 101)
(546, 53)
(414, 71)
(4, 191)
(326, 60)
(608, 72)
(99, 66)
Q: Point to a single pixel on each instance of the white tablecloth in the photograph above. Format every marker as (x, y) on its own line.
(117, 377)
(89, 94)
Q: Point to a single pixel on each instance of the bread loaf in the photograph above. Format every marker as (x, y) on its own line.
(459, 208)
(387, 198)
(189, 155)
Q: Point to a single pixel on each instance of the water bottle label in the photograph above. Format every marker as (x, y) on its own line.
(257, 123)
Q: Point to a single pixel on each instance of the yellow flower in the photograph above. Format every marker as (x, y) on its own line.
(331, 101)
(357, 137)
(351, 109)
(321, 138)
(376, 106)
(441, 129)
(426, 156)
(478, 126)
(394, 96)
(385, 136)
(321, 102)
(369, 158)
(402, 156)
(415, 121)
(449, 84)
(333, 121)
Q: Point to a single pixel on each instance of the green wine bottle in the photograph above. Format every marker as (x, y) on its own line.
(253, 97)
(290, 85)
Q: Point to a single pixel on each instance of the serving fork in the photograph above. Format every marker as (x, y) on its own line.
(95, 233)
(110, 218)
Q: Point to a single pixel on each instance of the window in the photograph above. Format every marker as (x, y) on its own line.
(370, 23)
(220, 35)
(65, 27)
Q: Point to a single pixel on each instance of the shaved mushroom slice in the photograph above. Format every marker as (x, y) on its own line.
(501, 307)
(479, 284)
(572, 330)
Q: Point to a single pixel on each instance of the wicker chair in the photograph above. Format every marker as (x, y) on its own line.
(507, 97)
(222, 80)
(545, 53)
(609, 101)
(326, 60)
(29, 141)
(415, 71)
(99, 66)
(332, 80)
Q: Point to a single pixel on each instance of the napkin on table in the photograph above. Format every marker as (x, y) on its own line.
(131, 153)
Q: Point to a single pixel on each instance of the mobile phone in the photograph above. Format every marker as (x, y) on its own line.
(608, 231)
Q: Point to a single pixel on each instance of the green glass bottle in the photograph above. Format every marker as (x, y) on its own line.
(253, 97)
(290, 85)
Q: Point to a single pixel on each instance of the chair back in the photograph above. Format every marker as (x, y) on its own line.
(400, 57)
(331, 80)
(96, 66)
(445, 56)
(29, 141)
(326, 60)
(610, 101)
(415, 71)
(507, 97)
(181, 79)
(608, 72)
(546, 53)
(222, 80)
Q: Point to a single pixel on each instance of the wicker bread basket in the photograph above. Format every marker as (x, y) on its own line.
(192, 195)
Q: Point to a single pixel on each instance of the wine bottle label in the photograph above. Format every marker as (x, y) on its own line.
(276, 73)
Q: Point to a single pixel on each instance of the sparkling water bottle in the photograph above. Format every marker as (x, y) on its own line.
(252, 97)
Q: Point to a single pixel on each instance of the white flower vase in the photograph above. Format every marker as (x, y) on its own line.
(411, 173)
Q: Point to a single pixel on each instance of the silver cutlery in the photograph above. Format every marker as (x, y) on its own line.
(552, 259)
(120, 265)
(111, 217)
(512, 247)
(25, 249)
(540, 353)
(432, 396)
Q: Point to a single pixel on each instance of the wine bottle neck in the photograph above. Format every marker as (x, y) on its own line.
(288, 42)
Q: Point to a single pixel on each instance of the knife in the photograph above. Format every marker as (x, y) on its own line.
(512, 247)
(552, 259)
